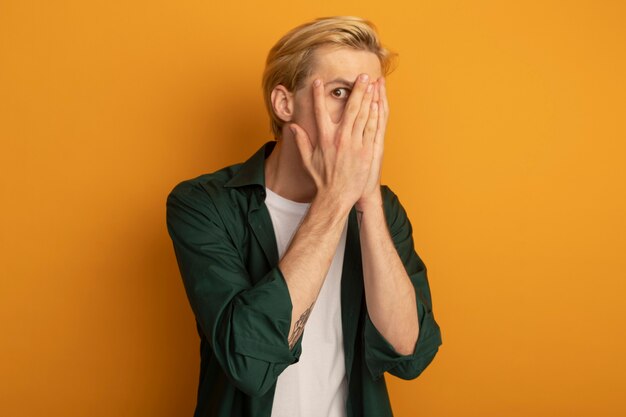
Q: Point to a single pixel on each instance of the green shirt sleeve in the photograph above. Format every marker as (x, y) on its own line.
(380, 356)
(246, 325)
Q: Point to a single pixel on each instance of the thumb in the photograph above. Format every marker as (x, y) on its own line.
(303, 142)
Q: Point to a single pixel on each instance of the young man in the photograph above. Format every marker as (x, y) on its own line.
(299, 266)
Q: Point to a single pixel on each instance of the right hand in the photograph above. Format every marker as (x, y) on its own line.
(341, 160)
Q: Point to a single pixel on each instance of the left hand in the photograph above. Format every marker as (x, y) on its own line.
(371, 193)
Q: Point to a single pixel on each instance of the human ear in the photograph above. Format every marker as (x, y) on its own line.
(282, 102)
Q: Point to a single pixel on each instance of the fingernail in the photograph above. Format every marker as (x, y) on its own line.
(364, 77)
(317, 82)
(369, 88)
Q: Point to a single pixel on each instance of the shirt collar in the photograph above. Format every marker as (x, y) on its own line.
(253, 170)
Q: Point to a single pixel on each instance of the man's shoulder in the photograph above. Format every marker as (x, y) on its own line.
(229, 181)
(204, 188)
(210, 182)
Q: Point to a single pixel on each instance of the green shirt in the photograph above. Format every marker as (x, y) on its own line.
(228, 258)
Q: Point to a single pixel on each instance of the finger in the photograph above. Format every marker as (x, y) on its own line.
(363, 115)
(322, 117)
(303, 142)
(381, 126)
(383, 96)
(354, 103)
(369, 135)
(377, 91)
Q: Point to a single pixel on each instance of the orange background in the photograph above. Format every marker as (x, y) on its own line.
(506, 145)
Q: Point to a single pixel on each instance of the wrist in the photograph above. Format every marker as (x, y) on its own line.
(330, 204)
(371, 201)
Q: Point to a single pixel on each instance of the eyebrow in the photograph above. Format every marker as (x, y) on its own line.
(342, 81)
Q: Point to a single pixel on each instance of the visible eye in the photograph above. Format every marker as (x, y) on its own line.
(347, 90)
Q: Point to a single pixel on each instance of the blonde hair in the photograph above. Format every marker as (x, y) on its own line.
(289, 62)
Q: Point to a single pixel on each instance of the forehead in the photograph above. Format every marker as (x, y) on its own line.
(332, 61)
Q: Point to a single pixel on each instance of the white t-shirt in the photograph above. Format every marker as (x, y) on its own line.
(316, 385)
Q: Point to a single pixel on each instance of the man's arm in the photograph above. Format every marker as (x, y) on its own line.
(400, 333)
(380, 354)
(339, 164)
(309, 256)
(245, 323)
(389, 293)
